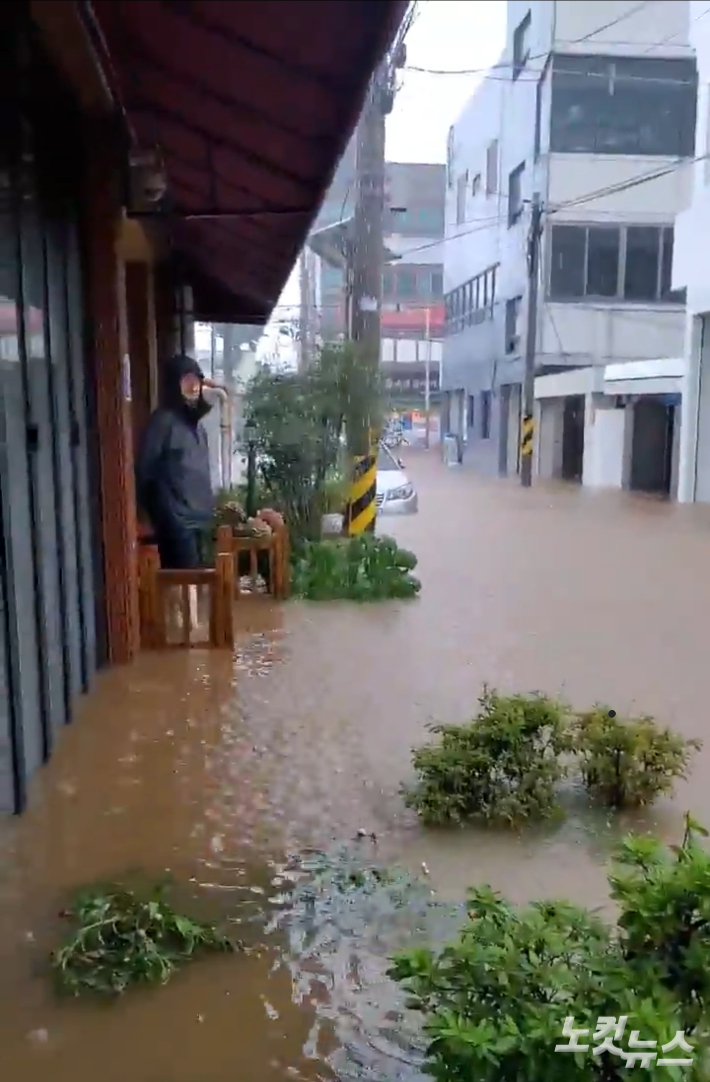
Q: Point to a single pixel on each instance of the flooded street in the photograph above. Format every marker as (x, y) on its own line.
(214, 769)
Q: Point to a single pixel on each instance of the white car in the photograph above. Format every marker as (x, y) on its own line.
(396, 495)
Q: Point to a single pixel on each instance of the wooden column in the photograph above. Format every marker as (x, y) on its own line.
(141, 344)
(108, 357)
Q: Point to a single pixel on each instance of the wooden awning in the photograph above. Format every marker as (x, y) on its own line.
(252, 103)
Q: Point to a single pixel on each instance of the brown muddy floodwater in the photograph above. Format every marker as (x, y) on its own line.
(213, 769)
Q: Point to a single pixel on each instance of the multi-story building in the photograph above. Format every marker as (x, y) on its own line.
(593, 108)
(412, 287)
(691, 271)
(413, 282)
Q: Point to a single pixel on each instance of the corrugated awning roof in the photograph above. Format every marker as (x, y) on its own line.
(252, 103)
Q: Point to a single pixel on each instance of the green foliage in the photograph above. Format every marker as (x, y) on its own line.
(502, 766)
(628, 762)
(120, 940)
(335, 492)
(495, 1000)
(664, 898)
(365, 568)
(301, 420)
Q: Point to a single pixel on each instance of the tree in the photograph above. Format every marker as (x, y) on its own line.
(301, 421)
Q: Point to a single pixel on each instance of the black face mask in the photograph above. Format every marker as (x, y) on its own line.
(196, 408)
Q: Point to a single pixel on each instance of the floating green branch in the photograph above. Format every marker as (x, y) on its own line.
(121, 940)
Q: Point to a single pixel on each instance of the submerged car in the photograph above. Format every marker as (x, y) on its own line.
(396, 495)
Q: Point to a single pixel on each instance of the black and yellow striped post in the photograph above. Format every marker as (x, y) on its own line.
(527, 429)
(361, 509)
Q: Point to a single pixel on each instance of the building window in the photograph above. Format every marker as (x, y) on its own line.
(485, 415)
(624, 263)
(406, 283)
(476, 184)
(641, 271)
(515, 194)
(603, 262)
(623, 105)
(492, 168)
(512, 314)
(471, 410)
(537, 144)
(521, 45)
(471, 303)
(411, 282)
(427, 220)
(674, 296)
(461, 186)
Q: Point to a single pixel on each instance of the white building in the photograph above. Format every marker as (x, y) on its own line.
(593, 107)
(691, 270)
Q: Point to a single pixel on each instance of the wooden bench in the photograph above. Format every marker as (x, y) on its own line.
(158, 585)
(275, 545)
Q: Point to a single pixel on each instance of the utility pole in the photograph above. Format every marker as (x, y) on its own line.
(367, 243)
(427, 383)
(527, 422)
(366, 253)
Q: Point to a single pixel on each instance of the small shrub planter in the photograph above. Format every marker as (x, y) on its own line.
(366, 568)
(504, 766)
(628, 762)
(501, 767)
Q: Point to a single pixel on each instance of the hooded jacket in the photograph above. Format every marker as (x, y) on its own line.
(173, 480)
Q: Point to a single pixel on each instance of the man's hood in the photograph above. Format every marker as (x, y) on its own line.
(173, 371)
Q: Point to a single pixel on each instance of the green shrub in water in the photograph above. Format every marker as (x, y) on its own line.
(120, 940)
(495, 1001)
(366, 568)
(628, 762)
(503, 766)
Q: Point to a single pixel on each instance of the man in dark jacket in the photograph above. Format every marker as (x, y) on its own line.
(173, 480)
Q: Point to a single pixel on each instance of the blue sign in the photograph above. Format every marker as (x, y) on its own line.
(670, 399)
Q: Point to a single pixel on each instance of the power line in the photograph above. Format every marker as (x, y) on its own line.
(483, 224)
(533, 76)
(503, 65)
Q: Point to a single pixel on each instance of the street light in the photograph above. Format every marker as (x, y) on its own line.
(250, 434)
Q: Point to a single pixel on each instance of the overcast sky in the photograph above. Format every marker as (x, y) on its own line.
(448, 35)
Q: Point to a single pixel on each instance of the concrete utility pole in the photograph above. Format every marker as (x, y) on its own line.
(366, 262)
(527, 423)
(427, 381)
(368, 244)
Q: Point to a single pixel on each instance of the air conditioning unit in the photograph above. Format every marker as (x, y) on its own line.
(148, 182)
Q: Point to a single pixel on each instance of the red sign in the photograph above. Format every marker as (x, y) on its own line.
(415, 319)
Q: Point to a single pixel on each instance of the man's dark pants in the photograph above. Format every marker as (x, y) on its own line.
(180, 547)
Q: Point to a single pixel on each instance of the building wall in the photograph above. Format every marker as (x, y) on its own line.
(51, 569)
(582, 189)
(413, 224)
(605, 444)
(690, 272)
